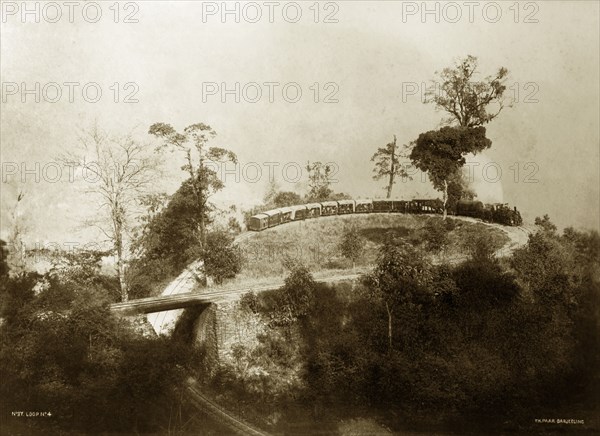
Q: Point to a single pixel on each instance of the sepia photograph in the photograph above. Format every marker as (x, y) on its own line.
(346, 218)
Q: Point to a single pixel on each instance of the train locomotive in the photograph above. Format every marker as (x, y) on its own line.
(497, 213)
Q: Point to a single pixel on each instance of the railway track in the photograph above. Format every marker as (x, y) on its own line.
(179, 301)
(236, 424)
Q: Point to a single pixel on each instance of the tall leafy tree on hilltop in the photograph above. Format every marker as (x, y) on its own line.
(200, 162)
(441, 153)
(387, 164)
(470, 103)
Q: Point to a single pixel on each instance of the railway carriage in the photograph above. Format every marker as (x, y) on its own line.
(433, 205)
(274, 217)
(382, 206)
(286, 215)
(258, 222)
(329, 208)
(426, 206)
(299, 212)
(345, 207)
(363, 206)
(401, 206)
(313, 210)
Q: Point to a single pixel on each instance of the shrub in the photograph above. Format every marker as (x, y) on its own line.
(222, 259)
(435, 234)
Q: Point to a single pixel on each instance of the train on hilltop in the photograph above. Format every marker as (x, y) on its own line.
(497, 213)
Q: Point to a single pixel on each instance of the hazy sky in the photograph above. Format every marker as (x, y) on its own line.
(375, 50)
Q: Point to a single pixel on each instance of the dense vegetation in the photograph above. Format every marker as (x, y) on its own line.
(64, 352)
(168, 240)
(485, 343)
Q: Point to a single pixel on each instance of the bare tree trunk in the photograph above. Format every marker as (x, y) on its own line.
(16, 247)
(202, 194)
(122, 281)
(197, 194)
(118, 223)
(202, 228)
(121, 269)
(392, 169)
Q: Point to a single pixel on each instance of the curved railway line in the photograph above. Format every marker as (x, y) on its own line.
(236, 424)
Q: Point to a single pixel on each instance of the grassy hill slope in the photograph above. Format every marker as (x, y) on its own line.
(316, 242)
